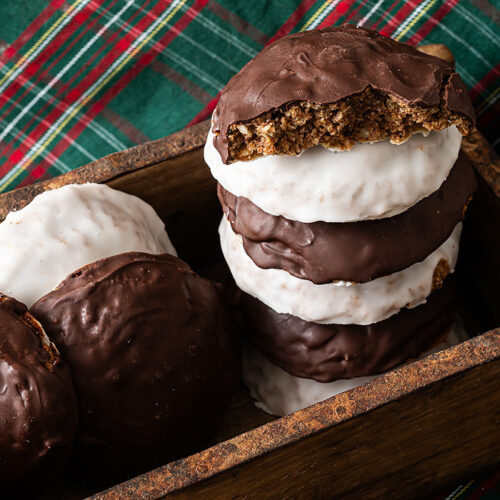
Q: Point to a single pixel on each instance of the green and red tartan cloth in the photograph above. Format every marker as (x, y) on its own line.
(80, 79)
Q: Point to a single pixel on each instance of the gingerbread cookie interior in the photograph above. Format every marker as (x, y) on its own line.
(366, 117)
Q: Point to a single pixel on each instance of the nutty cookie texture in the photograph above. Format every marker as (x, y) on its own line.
(336, 87)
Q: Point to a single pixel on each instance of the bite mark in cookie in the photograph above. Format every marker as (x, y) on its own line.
(335, 87)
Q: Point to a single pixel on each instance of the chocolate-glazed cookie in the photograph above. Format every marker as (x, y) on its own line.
(38, 408)
(153, 358)
(330, 352)
(323, 252)
(336, 87)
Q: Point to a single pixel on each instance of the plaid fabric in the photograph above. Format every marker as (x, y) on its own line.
(80, 79)
(485, 488)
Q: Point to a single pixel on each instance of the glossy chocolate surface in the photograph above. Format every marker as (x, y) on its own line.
(330, 352)
(153, 359)
(329, 65)
(38, 408)
(322, 252)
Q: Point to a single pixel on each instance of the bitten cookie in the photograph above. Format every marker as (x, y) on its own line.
(335, 87)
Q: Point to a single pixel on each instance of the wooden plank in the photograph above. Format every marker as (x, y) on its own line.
(406, 449)
(484, 159)
(432, 420)
(479, 260)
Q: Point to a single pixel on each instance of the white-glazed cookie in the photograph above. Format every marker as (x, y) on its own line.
(340, 302)
(67, 228)
(371, 181)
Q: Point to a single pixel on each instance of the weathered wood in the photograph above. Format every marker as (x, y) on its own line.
(409, 448)
(484, 159)
(479, 260)
(405, 433)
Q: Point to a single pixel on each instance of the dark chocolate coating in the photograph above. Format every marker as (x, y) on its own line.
(38, 408)
(330, 352)
(322, 252)
(153, 359)
(329, 65)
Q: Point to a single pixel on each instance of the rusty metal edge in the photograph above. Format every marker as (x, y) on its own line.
(394, 385)
(112, 166)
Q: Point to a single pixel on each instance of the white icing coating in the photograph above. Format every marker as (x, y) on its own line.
(339, 302)
(279, 393)
(371, 181)
(67, 228)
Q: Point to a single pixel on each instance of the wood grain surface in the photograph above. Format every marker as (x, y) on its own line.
(479, 259)
(407, 448)
(406, 433)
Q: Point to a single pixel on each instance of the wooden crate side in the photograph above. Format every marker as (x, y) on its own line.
(408, 448)
(444, 393)
(484, 159)
(479, 259)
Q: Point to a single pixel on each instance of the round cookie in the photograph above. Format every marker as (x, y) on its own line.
(67, 228)
(371, 181)
(367, 182)
(329, 352)
(336, 87)
(38, 407)
(339, 302)
(323, 252)
(279, 393)
(153, 359)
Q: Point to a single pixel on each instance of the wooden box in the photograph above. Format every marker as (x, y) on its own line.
(418, 428)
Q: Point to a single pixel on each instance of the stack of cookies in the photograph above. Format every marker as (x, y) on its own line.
(337, 154)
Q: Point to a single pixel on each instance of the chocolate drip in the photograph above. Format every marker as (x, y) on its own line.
(323, 252)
